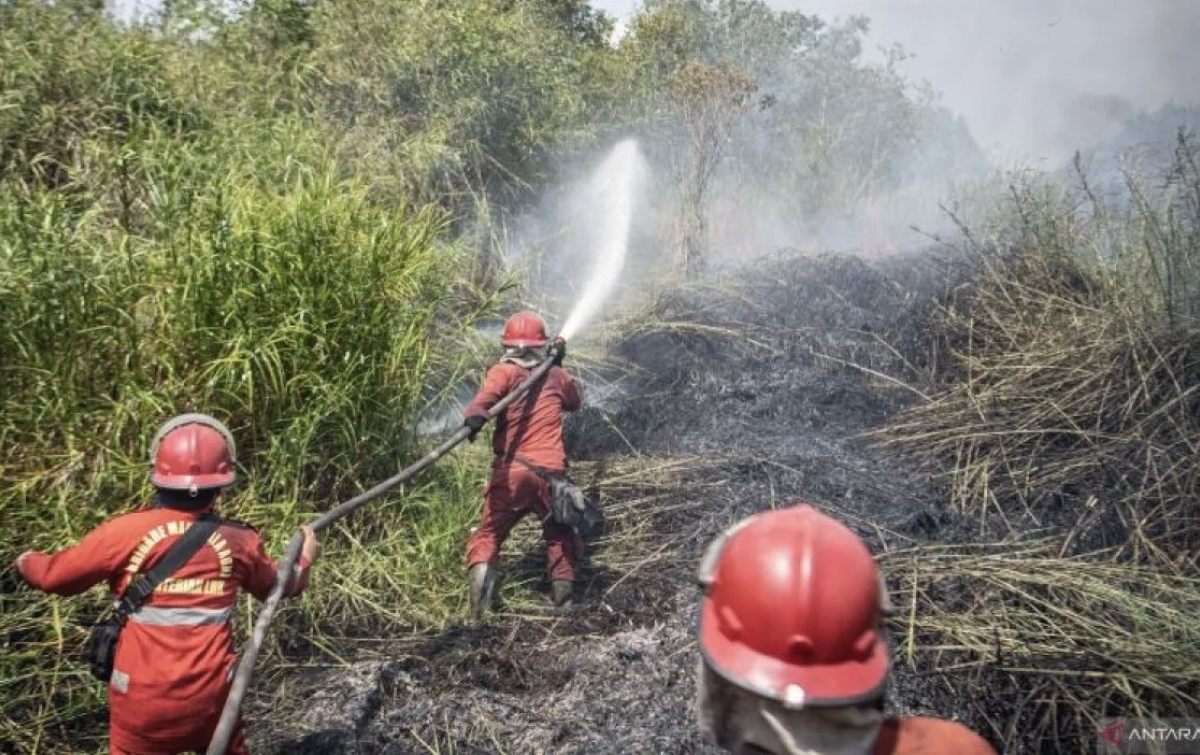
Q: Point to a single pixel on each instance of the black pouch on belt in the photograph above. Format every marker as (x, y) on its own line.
(568, 504)
(102, 646)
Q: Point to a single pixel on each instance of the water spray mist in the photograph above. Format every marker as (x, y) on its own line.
(615, 186)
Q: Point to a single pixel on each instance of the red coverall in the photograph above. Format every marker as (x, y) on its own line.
(175, 658)
(531, 428)
(928, 736)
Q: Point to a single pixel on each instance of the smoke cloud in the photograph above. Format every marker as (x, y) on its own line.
(1034, 79)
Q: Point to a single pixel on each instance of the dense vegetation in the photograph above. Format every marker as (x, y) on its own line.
(288, 216)
(295, 215)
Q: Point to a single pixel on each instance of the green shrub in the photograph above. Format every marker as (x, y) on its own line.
(163, 253)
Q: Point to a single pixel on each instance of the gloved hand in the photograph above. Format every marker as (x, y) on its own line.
(561, 345)
(19, 563)
(476, 423)
(13, 579)
(311, 547)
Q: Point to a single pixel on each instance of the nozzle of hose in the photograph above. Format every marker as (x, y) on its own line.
(558, 350)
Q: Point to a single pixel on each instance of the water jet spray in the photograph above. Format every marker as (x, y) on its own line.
(615, 185)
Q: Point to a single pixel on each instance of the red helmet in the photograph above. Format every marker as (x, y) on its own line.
(791, 610)
(191, 452)
(524, 330)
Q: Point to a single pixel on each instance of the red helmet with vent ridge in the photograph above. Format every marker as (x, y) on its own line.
(524, 330)
(193, 452)
(791, 610)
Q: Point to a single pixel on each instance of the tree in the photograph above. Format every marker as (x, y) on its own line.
(842, 130)
(710, 101)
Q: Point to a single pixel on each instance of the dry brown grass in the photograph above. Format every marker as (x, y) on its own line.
(1072, 410)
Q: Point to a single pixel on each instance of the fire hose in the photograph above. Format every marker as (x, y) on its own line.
(245, 669)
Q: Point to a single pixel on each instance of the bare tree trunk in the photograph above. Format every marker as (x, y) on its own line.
(691, 251)
(711, 99)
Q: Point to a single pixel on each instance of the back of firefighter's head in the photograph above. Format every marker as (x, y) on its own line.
(790, 623)
(193, 456)
(524, 330)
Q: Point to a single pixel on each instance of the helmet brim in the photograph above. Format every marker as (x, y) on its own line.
(197, 481)
(792, 686)
(522, 343)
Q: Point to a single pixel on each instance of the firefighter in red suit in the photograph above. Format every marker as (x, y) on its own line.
(175, 658)
(527, 444)
(793, 656)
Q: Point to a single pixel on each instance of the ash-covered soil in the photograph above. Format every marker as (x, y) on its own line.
(746, 392)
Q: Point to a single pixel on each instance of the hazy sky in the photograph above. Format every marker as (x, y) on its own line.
(1032, 76)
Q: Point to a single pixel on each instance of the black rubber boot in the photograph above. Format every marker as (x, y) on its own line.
(562, 593)
(482, 578)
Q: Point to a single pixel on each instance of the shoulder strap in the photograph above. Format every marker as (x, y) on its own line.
(175, 557)
(528, 402)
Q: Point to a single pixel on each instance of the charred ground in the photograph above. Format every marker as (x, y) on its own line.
(744, 392)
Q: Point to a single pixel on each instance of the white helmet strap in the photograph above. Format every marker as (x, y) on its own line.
(712, 554)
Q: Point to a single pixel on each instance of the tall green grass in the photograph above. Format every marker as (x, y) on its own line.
(164, 251)
(314, 322)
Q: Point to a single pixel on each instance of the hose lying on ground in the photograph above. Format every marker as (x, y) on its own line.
(245, 669)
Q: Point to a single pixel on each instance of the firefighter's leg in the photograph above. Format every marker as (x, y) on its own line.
(136, 725)
(563, 544)
(236, 746)
(125, 742)
(563, 550)
(500, 515)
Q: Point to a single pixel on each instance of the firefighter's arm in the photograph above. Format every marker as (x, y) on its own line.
(496, 384)
(572, 397)
(74, 570)
(263, 569)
